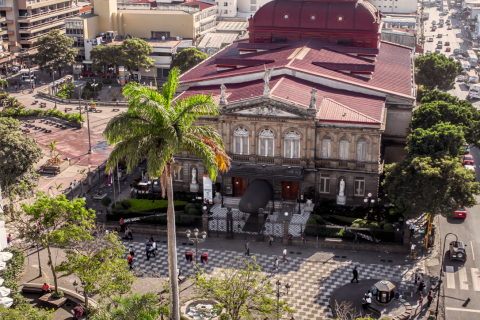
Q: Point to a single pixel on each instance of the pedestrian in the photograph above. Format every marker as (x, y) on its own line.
(71, 185)
(147, 242)
(45, 289)
(275, 265)
(130, 261)
(9, 240)
(132, 252)
(178, 274)
(412, 249)
(412, 229)
(284, 254)
(151, 239)
(369, 294)
(270, 240)
(153, 248)
(304, 243)
(147, 251)
(77, 312)
(247, 246)
(420, 287)
(15, 88)
(421, 277)
(355, 274)
(290, 238)
(130, 235)
(74, 182)
(416, 278)
(430, 299)
(122, 225)
(420, 303)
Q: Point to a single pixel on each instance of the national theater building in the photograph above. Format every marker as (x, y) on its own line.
(312, 98)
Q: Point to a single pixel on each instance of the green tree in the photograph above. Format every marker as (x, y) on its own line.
(4, 84)
(55, 220)
(135, 53)
(436, 71)
(54, 51)
(99, 263)
(438, 186)
(25, 312)
(138, 307)
(17, 156)
(243, 290)
(155, 128)
(187, 59)
(438, 141)
(103, 56)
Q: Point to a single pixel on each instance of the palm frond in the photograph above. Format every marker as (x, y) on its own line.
(196, 146)
(170, 87)
(189, 109)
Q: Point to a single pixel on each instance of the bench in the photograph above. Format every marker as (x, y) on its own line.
(116, 110)
(98, 111)
(69, 294)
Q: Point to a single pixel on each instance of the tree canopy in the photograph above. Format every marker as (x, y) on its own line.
(187, 59)
(54, 50)
(103, 56)
(138, 307)
(18, 154)
(135, 53)
(436, 71)
(25, 312)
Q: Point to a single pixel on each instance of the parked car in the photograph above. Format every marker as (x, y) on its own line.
(448, 49)
(439, 42)
(447, 43)
(469, 167)
(439, 35)
(86, 73)
(437, 50)
(466, 149)
(433, 28)
(111, 75)
(429, 51)
(449, 28)
(434, 22)
(468, 159)
(461, 213)
(430, 39)
(457, 250)
(439, 46)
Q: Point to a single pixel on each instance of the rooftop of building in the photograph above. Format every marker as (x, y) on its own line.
(236, 26)
(217, 40)
(156, 43)
(391, 70)
(133, 11)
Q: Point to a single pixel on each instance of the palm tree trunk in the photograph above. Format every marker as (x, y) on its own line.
(50, 262)
(172, 248)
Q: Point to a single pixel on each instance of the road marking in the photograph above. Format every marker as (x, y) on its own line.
(475, 279)
(473, 253)
(460, 309)
(462, 274)
(450, 277)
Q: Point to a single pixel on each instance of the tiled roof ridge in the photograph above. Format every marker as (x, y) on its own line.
(203, 62)
(350, 109)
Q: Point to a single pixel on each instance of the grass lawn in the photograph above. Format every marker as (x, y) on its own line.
(146, 205)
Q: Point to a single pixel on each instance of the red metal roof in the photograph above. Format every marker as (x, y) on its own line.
(353, 50)
(359, 107)
(345, 66)
(262, 46)
(393, 65)
(241, 62)
(202, 5)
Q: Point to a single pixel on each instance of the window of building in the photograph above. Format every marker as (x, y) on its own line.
(253, 1)
(325, 183)
(240, 141)
(292, 144)
(253, 8)
(266, 143)
(216, 3)
(217, 10)
(74, 27)
(225, 4)
(361, 150)
(344, 145)
(359, 186)
(225, 11)
(326, 147)
(178, 176)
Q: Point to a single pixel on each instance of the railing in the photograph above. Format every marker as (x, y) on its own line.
(324, 163)
(267, 160)
(49, 11)
(292, 162)
(239, 157)
(178, 7)
(61, 28)
(360, 165)
(44, 24)
(343, 164)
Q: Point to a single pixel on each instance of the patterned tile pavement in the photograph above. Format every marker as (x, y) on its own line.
(313, 279)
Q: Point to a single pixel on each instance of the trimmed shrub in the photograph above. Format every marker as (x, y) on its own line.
(192, 212)
(318, 219)
(107, 81)
(22, 112)
(342, 221)
(126, 204)
(117, 206)
(106, 201)
(198, 205)
(388, 227)
(189, 206)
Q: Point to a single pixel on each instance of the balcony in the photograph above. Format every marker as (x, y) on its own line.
(240, 158)
(3, 32)
(291, 162)
(266, 160)
(32, 39)
(47, 14)
(45, 25)
(3, 19)
(350, 165)
(3, 8)
(34, 4)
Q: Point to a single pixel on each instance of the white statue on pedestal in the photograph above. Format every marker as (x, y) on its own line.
(342, 188)
(194, 176)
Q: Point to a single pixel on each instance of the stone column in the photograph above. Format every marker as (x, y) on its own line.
(90, 179)
(205, 223)
(286, 225)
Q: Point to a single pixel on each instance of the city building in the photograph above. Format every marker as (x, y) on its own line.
(395, 6)
(24, 21)
(212, 42)
(238, 8)
(167, 27)
(313, 102)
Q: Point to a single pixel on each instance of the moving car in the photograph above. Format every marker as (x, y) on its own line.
(457, 250)
(468, 159)
(449, 28)
(86, 73)
(467, 149)
(458, 51)
(430, 39)
(107, 75)
(461, 213)
(439, 35)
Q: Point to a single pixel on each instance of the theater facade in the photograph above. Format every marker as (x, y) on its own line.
(312, 101)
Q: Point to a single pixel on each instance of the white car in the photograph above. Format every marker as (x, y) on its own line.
(429, 51)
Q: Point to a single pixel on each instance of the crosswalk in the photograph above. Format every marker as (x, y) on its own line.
(467, 279)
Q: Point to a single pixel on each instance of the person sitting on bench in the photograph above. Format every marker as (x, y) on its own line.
(46, 289)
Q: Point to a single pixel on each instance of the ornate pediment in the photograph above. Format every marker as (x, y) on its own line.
(267, 111)
(272, 108)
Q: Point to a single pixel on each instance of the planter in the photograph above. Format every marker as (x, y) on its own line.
(200, 309)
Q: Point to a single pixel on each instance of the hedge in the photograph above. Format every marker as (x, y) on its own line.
(181, 219)
(156, 205)
(21, 112)
(12, 274)
(322, 231)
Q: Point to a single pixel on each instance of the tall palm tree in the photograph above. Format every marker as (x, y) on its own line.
(156, 128)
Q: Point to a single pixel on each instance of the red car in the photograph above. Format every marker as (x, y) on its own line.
(433, 28)
(86, 74)
(468, 159)
(447, 43)
(108, 75)
(448, 49)
(461, 213)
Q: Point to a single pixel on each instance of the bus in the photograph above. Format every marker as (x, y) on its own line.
(445, 7)
(472, 58)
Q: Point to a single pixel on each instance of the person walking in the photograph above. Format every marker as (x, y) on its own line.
(430, 299)
(304, 243)
(122, 225)
(132, 252)
(247, 247)
(290, 238)
(151, 239)
(275, 265)
(147, 251)
(270, 240)
(9, 240)
(420, 304)
(420, 287)
(285, 254)
(130, 261)
(355, 274)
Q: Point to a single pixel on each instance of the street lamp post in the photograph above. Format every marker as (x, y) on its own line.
(280, 294)
(196, 240)
(441, 270)
(88, 129)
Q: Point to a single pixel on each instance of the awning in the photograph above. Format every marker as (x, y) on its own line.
(87, 61)
(267, 172)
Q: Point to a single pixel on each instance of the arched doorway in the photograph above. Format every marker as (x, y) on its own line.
(289, 190)
(239, 186)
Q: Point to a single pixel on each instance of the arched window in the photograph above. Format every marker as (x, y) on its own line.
(265, 143)
(326, 147)
(240, 141)
(343, 148)
(292, 144)
(362, 149)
